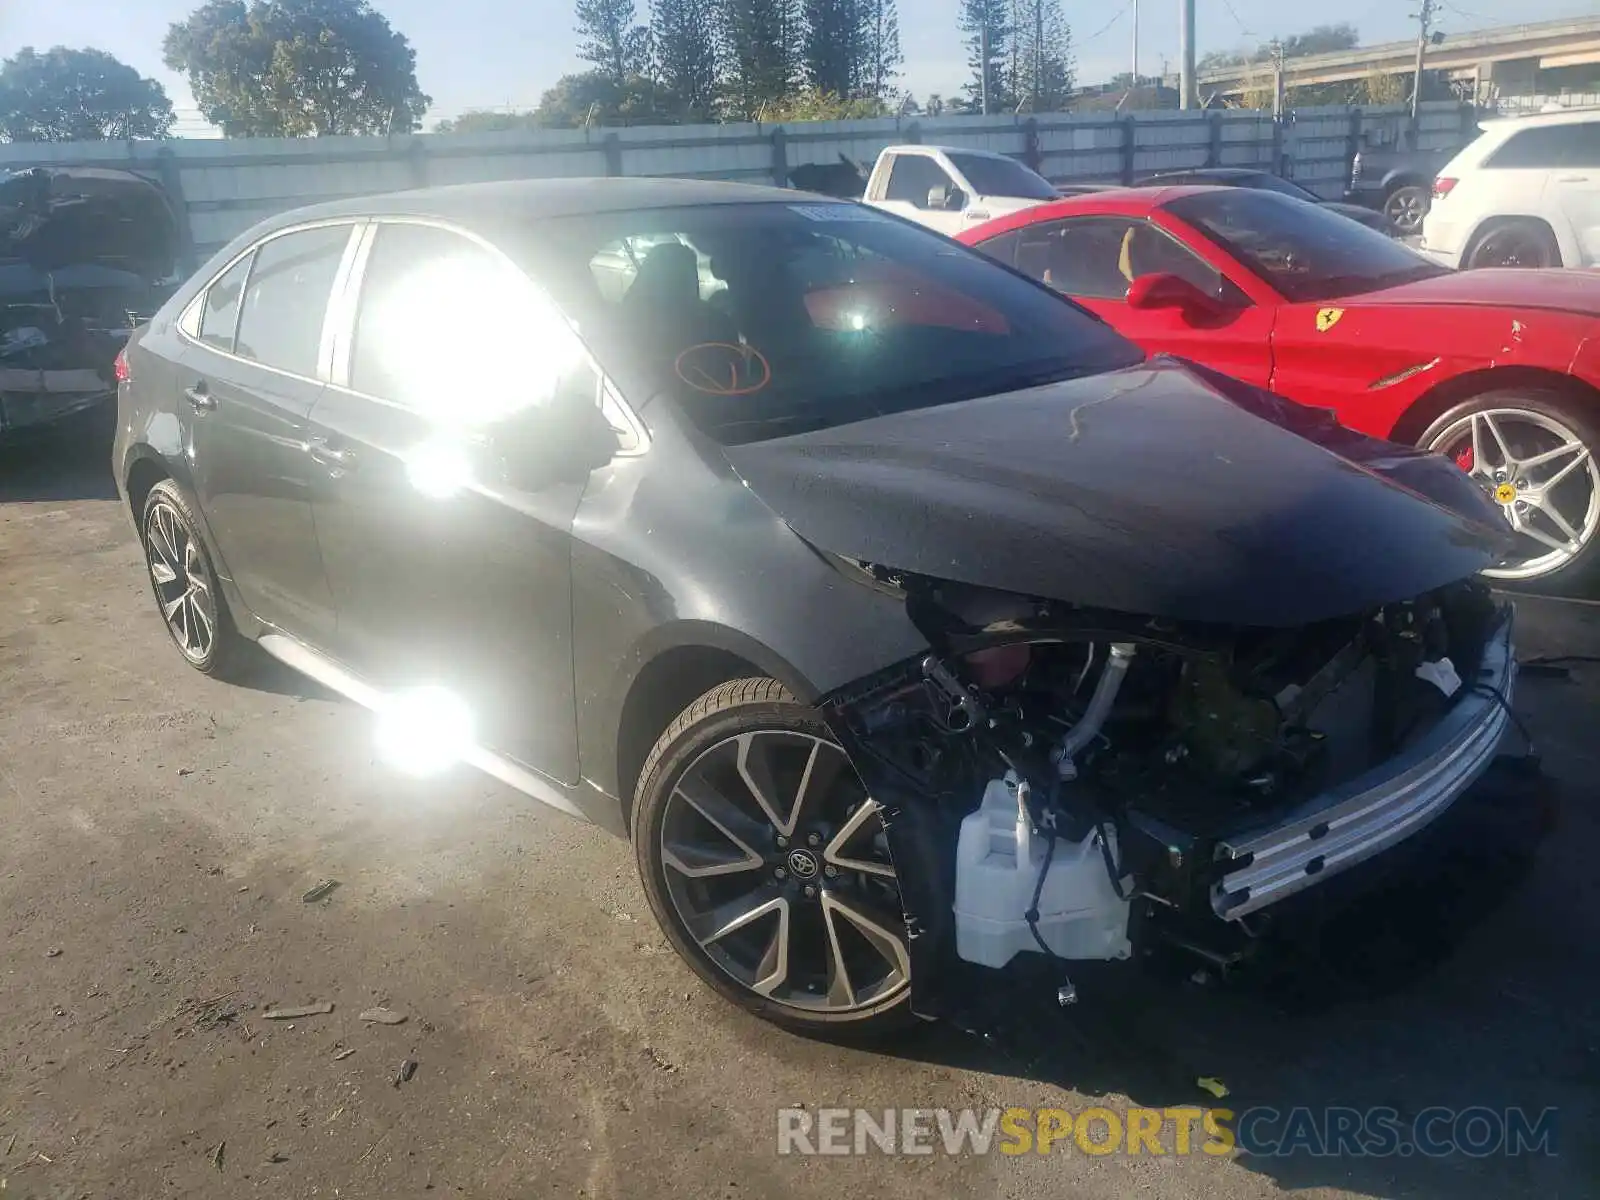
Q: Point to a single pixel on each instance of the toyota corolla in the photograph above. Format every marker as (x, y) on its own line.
(902, 613)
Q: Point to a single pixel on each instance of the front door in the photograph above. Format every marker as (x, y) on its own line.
(1094, 259)
(913, 183)
(445, 570)
(249, 377)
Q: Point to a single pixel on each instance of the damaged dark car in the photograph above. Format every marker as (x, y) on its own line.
(905, 617)
(86, 254)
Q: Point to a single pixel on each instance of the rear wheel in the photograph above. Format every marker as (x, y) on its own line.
(1533, 451)
(1518, 243)
(766, 864)
(185, 585)
(1406, 206)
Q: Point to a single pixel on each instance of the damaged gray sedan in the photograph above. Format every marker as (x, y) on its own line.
(85, 255)
(901, 613)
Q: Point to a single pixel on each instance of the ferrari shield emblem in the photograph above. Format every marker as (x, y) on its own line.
(1327, 318)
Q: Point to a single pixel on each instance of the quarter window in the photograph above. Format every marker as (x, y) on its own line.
(287, 297)
(1550, 147)
(219, 318)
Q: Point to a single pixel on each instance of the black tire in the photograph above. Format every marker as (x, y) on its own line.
(1519, 242)
(1577, 496)
(763, 708)
(168, 533)
(1405, 206)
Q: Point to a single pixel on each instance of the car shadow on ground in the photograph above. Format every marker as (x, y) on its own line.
(70, 463)
(1468, 985)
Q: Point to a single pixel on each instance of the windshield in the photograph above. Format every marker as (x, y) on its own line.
(766, 319)
(1003, 177)
(1303, 250)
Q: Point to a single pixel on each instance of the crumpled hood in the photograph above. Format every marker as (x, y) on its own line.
(1162, 490)
(1556, 289)
(77, 216)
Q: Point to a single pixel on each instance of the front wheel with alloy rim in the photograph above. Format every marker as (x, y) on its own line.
(766, 863)
(1406, 206)
(185, 585)
(1533, 451)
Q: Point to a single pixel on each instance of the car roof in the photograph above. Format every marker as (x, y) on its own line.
(1212, 172)
(972, 150)
(1564, 116)
(1122, 202)
(538, 198)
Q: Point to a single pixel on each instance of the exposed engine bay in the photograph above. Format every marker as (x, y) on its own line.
(1083, 779)
(85, 255)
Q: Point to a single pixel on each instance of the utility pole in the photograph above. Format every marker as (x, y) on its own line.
(1424, 22)
(1186, 92)
(983, 56)
(1277, 80)
(1135, 70)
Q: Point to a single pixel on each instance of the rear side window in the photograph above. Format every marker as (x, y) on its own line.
(219, 316)
(1549, 147)
(287, 297)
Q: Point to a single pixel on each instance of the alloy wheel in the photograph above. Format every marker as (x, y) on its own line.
(1540, 473)
(1512, 246)
(777, 866)
(182, 582)
(1406, 207)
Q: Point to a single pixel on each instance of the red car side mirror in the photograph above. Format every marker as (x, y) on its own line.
(1171, 291)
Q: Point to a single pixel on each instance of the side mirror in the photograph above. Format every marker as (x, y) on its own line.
(1172, 291)
(561, 442)
(946, 199)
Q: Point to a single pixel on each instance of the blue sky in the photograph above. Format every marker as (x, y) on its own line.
(492, 53)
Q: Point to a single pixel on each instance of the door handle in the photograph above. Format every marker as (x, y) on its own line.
(328, 456)
(199, 398)
(1573, 179)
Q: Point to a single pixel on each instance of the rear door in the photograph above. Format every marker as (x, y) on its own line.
(1575, 189)
(249, 374)
(445, 572)
(1094, 259)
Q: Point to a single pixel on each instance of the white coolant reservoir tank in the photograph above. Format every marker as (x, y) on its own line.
(998, 858)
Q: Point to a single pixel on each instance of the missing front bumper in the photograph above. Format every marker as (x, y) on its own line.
(1366, 816)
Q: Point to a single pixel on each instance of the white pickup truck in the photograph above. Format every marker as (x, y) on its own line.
(950, 189)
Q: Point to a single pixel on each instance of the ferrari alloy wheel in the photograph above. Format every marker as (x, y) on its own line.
(1406, 206)
(1534, 455)
(184, 584)
(767, 865)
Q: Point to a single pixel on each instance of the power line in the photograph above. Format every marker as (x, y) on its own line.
(1234, 14)
(1106, 28)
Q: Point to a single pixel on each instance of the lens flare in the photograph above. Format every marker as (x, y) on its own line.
(423, 731)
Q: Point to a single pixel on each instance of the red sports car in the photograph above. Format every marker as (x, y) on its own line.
(1498, 369)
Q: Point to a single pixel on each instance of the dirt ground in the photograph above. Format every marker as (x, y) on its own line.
(160, 829)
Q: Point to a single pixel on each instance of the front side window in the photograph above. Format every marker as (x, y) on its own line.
(1003, 177)
(286, 298)
(913, 176)
(1099, 257)
(219, 314)
(1304, 251)
(824, 314)
(449, 328)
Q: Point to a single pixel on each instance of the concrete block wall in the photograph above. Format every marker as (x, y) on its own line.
(225, 186)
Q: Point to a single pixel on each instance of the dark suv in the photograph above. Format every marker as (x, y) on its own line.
(894, 606)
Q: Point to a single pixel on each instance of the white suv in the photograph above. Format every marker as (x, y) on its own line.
(1526, 193)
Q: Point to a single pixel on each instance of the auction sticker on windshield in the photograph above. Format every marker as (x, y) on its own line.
(837, 212)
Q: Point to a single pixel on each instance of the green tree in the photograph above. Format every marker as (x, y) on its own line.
(994, 18)
(488, 120)
(809, 104)
(66, 95)
(685, 37)
(831, 45)
(1322, 39)
(760, 41)
(610, 40)
(1041, 66)
(934, 105)
(594, 98)
(882, 57)
(292, 68)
